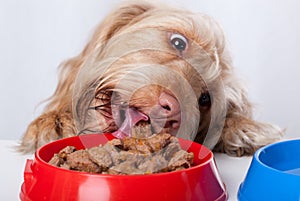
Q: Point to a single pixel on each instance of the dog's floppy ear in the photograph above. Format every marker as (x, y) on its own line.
(242, 134)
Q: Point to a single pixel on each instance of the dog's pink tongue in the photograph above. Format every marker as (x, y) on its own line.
(132, 116)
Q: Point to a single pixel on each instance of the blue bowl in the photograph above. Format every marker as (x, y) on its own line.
(274, 174)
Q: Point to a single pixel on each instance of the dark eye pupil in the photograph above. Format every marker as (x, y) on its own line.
(204, 99)
(179, 44)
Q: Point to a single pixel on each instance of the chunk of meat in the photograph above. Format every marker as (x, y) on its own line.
(101, 157)
(80, 160)
(147, 145)
(59, 159)
(180, 160)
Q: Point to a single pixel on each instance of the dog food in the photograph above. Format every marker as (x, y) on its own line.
(130, 155)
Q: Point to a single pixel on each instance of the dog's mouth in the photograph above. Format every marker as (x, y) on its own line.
(130, 120)
(127, 120)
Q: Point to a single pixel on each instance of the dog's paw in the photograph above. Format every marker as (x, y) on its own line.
(243, 136)
(46, 128)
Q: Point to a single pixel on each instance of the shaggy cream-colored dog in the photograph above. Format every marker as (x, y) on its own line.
(153, 65)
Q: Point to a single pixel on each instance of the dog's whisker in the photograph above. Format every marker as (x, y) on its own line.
(99, 107)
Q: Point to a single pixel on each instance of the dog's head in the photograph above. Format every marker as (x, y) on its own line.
(154, 64)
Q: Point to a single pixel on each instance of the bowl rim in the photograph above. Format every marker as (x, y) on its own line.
(210, 159)
(260, 151)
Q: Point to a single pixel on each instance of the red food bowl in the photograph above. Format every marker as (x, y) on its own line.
(43, 181)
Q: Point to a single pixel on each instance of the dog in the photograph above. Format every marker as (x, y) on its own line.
(150, 64)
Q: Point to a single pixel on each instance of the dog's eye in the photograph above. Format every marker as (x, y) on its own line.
(204, 100)
(179, 42)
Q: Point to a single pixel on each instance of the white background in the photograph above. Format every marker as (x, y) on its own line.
(36, 36)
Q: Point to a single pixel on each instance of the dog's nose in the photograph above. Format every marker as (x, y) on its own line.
(170, 109)
(168, 103)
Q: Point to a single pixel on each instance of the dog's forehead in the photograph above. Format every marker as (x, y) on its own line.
(157, 41)
(154, 33)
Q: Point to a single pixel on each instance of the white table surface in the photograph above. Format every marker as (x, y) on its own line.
(232, 171)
